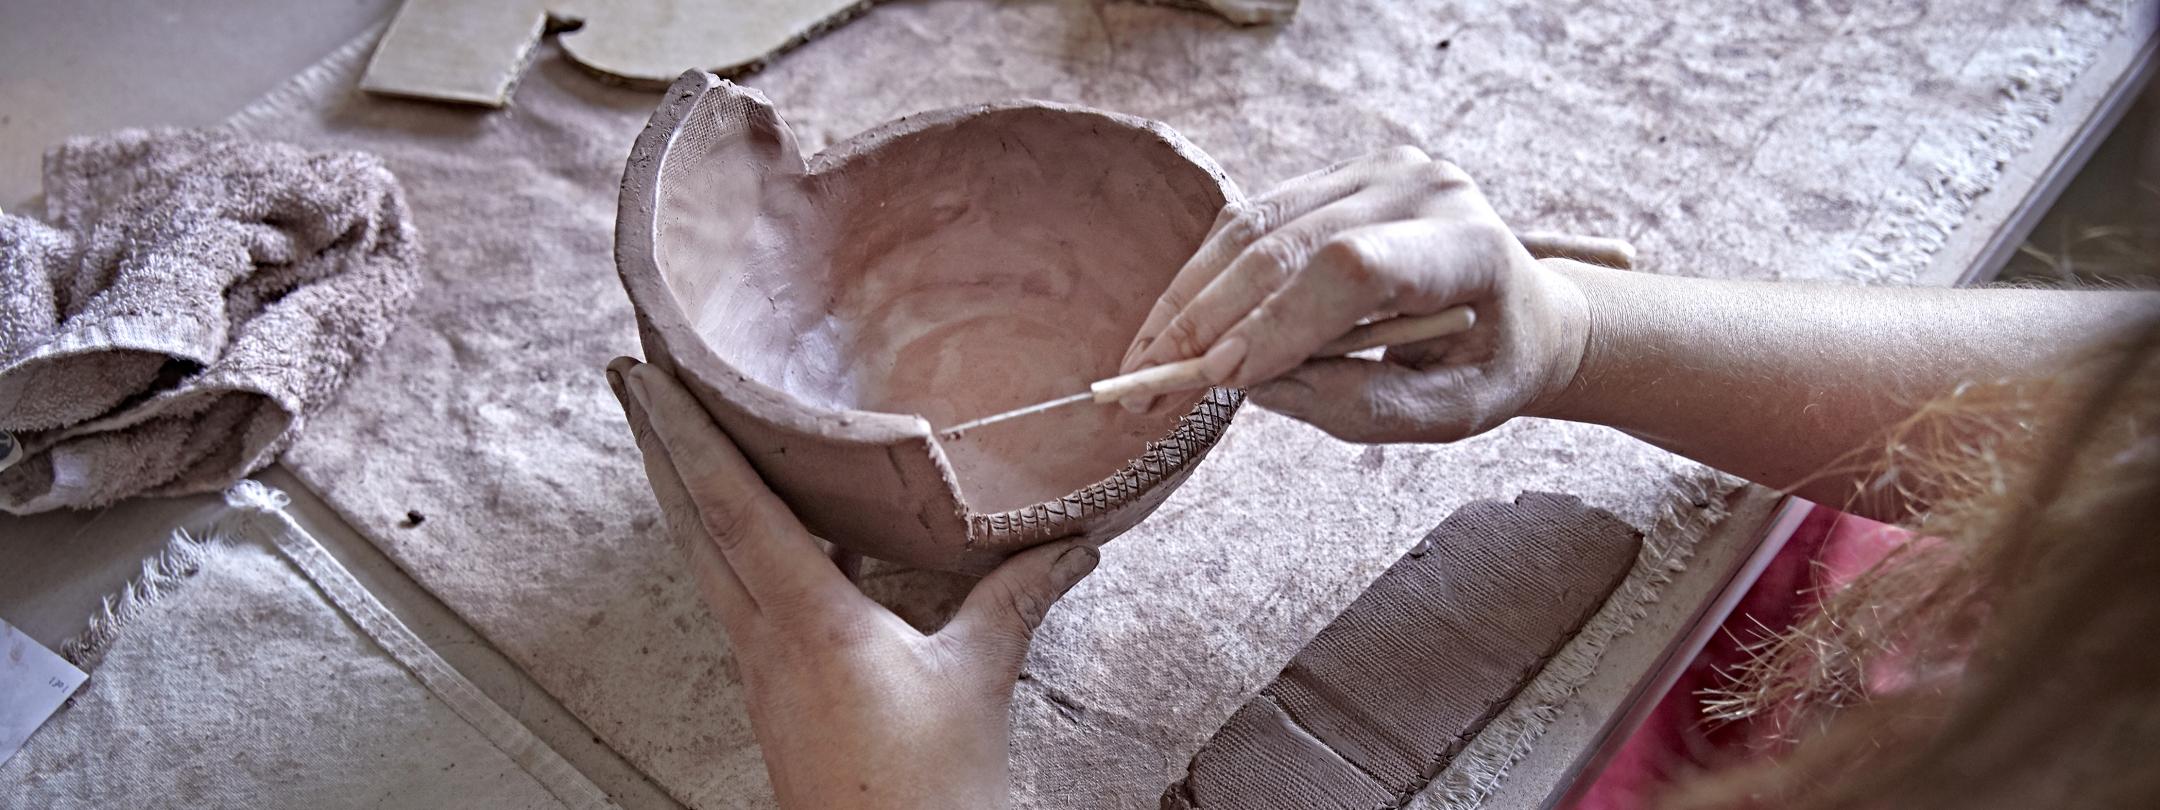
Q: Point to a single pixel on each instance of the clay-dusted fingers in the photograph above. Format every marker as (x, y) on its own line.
(1372, 401)
(1259, 272)
(776, 559)
(999, 616)
(1239, 228)
(1349, 279)
(1231, 233)
(719, 585)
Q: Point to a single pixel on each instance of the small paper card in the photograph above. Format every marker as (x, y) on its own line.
(33, 684)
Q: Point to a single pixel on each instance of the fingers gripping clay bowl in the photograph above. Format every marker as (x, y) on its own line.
(939, 268)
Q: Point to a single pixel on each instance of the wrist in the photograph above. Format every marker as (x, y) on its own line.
(1573, 333)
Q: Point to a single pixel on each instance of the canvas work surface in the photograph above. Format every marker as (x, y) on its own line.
(1801, 143)
(247, 668)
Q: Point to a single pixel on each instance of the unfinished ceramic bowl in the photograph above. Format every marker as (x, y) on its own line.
(939, 268)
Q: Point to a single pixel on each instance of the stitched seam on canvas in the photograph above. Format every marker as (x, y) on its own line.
(258, 512)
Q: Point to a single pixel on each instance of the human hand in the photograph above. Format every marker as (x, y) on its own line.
(1390, 233)
(851, 705)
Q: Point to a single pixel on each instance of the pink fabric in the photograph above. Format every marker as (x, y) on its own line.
(1828, 550)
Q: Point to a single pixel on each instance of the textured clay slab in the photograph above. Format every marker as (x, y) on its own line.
(1382, 699)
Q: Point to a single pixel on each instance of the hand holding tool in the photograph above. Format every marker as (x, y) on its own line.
(1186, 375)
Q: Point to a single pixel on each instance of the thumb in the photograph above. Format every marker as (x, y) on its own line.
(1359, 400)
(1000, 615)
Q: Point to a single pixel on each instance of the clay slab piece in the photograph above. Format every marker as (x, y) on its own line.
(650, 42)
(455, 50)
(944, 266)
(1384, 697)
(472, 52)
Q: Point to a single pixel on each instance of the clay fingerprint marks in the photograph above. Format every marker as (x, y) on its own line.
(1380, 701)
(471, 51)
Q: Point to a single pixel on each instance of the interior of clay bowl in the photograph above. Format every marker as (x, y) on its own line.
(953, 268)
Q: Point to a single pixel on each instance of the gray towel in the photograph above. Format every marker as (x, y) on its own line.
(194, 298)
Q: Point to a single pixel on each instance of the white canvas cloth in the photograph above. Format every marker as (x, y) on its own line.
(249, 669)
(1804, 142)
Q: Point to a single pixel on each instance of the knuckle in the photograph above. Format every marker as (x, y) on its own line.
(1446, 173)
(1183, 338)
(1169, 305)
(1403, 155)
(726, 527)
(1352, 258)
(1026, 606)
(1278, 254)
(1490, 238)
(1256, 218)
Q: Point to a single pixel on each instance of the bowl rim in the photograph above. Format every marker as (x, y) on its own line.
(1165, 460)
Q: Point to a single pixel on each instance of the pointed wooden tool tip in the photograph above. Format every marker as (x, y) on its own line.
(956, 431)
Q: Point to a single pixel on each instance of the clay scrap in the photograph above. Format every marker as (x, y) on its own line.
(940, 267)
(1385, 696)
(472, 52)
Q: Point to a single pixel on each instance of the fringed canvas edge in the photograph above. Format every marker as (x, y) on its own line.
(1696, 502)
(302, 90)
(256, 514)
(1957, 168)
(163, 572)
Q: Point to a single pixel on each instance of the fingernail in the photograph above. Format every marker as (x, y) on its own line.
(636, 385)
(614, 383)
(1075, 563)
(615, 370)
(1132, 355)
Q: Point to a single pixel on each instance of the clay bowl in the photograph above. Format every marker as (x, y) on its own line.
(938, 268)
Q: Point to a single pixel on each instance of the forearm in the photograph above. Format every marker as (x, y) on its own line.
(1781, 382)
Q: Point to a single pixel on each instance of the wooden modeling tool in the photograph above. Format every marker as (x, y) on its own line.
(1186, 375)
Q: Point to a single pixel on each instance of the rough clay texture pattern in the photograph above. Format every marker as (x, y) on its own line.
(1817, 142)
(1389, 692)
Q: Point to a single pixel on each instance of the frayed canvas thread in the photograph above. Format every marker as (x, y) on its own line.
(1697, 502)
